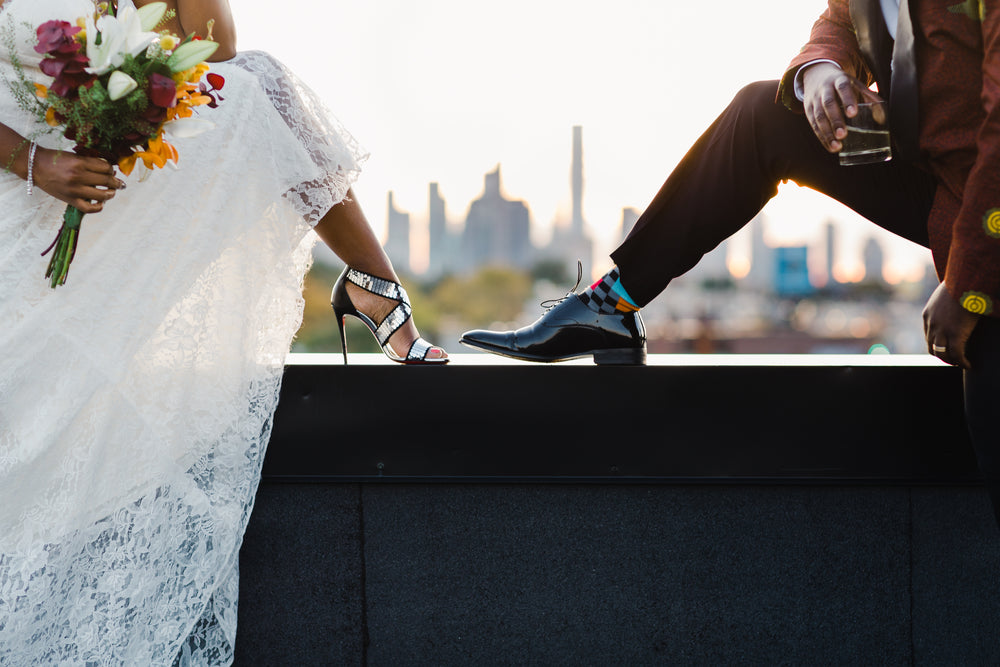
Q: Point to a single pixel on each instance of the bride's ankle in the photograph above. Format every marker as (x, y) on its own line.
(374, 306)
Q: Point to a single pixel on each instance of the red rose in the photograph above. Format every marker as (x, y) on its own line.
(154, 114)
(57, 37)
(69, 73)
(162, 90)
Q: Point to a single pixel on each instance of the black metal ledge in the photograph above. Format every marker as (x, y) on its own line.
(680, 419)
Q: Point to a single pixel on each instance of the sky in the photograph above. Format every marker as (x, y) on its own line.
(445, 90)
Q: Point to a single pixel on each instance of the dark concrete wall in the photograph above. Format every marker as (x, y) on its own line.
(727, 513)
(548, 574)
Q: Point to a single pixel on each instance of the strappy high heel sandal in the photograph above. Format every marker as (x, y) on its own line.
(343, 306)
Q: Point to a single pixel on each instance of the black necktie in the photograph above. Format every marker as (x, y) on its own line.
(903, 110)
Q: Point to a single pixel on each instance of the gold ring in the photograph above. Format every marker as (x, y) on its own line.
(939, 348)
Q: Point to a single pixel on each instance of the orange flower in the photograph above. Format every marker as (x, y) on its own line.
(188, 97)
(50, 117)
(192, 75)
(41, 91)
(155, 156)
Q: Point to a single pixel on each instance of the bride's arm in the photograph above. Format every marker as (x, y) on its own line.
(194, 15)
(84, 182)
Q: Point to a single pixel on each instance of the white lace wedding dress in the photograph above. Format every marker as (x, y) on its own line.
(136, 400)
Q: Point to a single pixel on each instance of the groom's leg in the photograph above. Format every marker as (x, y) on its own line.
(735, 168)
(982, 395)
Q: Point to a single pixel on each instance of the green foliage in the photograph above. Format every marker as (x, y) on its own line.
(319, 328)
(23, 89)
(490, 295)
(718, 284)
(552, 270)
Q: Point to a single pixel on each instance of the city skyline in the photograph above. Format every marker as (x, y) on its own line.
(442, 91)
(498, 230)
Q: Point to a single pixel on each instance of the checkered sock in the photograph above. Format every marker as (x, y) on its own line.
(608, 295)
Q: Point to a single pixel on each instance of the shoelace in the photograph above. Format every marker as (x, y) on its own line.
(549, 304)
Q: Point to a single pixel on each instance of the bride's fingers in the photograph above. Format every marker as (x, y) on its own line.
(101, 173)
(94, 192)
(87, 205)
(90, 199)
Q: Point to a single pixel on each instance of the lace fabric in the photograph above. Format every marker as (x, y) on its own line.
(136, 400)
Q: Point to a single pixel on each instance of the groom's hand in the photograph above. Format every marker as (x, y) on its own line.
(947, 327)
(829, 97)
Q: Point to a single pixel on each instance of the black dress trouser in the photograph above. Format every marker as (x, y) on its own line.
(732, 171)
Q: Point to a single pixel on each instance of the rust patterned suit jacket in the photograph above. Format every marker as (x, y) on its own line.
(957, 58)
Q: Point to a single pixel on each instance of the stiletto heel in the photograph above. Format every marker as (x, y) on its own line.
(387, 289)
(339, 315)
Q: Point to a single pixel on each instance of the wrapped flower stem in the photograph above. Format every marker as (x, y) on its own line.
(64, 247)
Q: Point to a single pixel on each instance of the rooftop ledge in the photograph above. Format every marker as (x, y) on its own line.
(836, 419)
(701, 360)
(698, 510)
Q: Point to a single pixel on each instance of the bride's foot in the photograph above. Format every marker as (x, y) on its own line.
(383, 306)
(378, 308)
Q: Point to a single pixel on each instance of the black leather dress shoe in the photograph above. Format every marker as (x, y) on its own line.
(569, 330)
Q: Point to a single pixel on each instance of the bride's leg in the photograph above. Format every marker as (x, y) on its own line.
(346, 231)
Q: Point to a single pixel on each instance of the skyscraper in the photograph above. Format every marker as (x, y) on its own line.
(571, 243)
(762, 258)
(497, 229)
(874, 259)
(397, 244)
(629, 217)
(831, 245)
(576, 224)
(440, 255)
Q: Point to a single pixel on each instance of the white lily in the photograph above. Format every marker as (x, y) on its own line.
(184, 128)
(189, 54)
(150, 15)
(120, 35)
(120, 84)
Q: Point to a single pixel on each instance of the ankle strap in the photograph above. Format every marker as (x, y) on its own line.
(379, 286)
(392, 322)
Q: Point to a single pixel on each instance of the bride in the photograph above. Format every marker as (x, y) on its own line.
(136, 400)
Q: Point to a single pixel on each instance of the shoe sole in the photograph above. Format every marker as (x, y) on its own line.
(629, 356)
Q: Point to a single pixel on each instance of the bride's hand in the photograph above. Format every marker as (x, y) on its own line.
(84, 182)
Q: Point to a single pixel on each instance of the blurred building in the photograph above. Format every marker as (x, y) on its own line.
(571, 242)
(497, 229)
(831, 239)
(874, 260)
(442, 243)
(629, 217)
(791, 276)
(397, 244)
(761, 276)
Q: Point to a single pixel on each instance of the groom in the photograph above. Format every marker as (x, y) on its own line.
(937, 64)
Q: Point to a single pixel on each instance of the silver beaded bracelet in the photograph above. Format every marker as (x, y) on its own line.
(31, 168)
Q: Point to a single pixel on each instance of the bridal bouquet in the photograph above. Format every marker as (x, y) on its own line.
(118, 88)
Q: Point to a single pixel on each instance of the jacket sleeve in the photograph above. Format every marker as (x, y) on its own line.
(973, 266)
(832, 38)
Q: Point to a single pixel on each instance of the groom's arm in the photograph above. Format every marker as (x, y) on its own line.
(973, 270)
